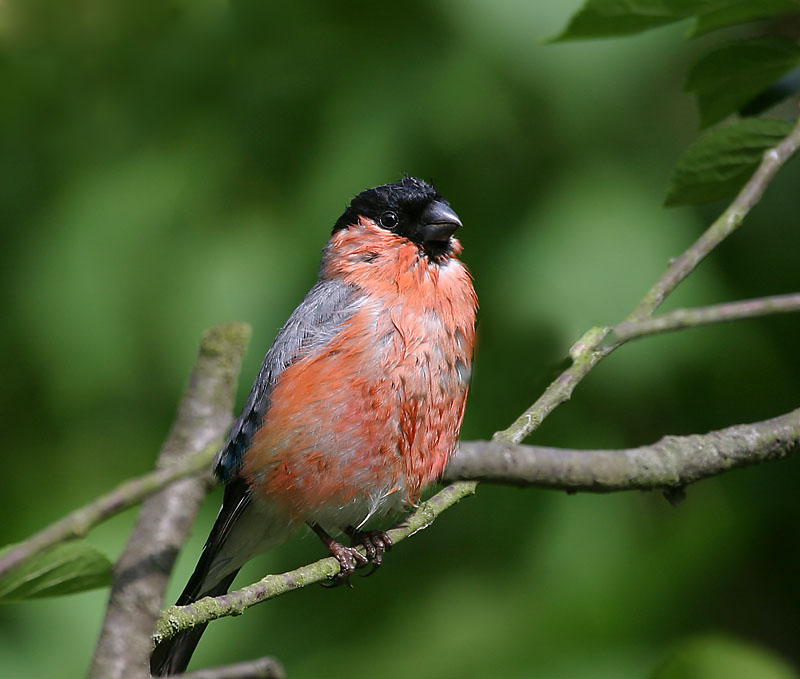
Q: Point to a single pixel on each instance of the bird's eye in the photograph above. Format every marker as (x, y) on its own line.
(389, 220)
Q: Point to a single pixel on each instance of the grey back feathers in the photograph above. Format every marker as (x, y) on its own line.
(314, 323)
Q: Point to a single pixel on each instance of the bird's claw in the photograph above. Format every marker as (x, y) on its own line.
(349, 559)
(375, 542)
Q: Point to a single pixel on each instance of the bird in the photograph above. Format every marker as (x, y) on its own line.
(359, 401)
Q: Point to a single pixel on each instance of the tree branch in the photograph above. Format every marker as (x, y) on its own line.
(672, 461)
(141, 574)
(263, 668)
(177, 618)
(689, 318)
(594, 345)
(584, 357)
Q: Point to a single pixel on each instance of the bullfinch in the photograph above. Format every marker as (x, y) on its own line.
(359, 401)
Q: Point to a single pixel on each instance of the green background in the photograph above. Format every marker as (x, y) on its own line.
(169, 165)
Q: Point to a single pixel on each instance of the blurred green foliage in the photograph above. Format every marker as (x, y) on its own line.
(719, 657)
(169, 165)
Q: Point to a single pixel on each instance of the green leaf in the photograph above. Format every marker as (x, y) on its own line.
(720, 161)
(69, 567)
(720, 657)
(606, 18)
(742, 11)
(731, 75)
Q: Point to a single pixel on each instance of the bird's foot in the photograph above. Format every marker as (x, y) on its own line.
(375, 543)
(349, 558)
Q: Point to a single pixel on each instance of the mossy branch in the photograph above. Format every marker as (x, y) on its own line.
(177, 618)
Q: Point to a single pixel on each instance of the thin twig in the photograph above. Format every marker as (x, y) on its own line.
(127, 494)
(689, 318)
(594, 345)
(263, 668)
(730, 220)
(177, 618)
(672, 461)
(142, 572)
(584, 357)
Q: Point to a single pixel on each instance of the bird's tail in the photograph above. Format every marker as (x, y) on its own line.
(213, 575)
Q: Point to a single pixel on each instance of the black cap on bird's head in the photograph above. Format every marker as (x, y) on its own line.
(411, 208)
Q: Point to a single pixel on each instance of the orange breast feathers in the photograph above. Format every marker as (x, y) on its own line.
(367, 421)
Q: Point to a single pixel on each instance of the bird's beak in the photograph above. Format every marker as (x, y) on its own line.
(438, 222)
